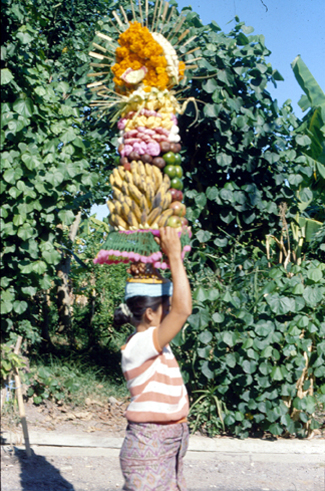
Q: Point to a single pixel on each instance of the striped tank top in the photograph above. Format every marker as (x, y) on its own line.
(158, 393)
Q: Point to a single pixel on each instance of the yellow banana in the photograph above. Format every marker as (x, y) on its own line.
(121, 171)
(150, 193)
(131, 219)
(157, 176)
(125, 188)
(118, 208)
(154, 214)
(149, 170)
(167, 199)
(144, 217)
(136, 210)
(135, 176)
(157, 201)
(128, 201)
(119, 222)
(162, 222)
(112, 179)
(166, 180)
(110, 206)
(117, 194)
(128, 177)
(141, 170)
(117, 178)
(134, 192)
(144, 205)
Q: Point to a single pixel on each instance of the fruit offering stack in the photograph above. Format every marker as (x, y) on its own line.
(147, 186)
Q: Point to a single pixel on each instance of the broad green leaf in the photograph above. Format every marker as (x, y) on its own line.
(314, 274)
(39, 267)
(313, 295)
(206, 370)
(249, 366)
(25, 107)
(230, 359)
(211, 111)
(218, 318)
(66, 216)
(200, 294)
(7, 299)
(229, 338)
(24, 37)
(307, 82)
(213, 294)
(276, 373)
(29, 290)
(280, 305)
(51, 257)
(20, 307)
(203, 235)
(298, 289)
(6, 76)
(205, 337)
(210, 86)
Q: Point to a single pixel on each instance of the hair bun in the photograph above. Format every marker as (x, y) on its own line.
(122, 315)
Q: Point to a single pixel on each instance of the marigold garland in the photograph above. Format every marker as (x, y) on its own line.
(138, 48)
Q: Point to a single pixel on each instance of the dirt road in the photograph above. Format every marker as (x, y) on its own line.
(222, 464)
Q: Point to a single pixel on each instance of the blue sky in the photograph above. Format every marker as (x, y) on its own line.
(290, 27)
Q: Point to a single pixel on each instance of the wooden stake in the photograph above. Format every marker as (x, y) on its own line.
(99, 56)
(98, 74)
(98, 46)
(188, 41)
(154, 15)
(191, 67)
(159, 12)
(124, 15)
(147, 13)
(140, 11)
(189, 52)
(118, 20)
(194, 59)
(100, 65)
(133, 12)
(21, 402)
(179, 25)
(182, 36)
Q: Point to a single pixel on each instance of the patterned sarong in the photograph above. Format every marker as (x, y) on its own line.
(151, 457)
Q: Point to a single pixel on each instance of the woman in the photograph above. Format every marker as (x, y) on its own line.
(157, 433)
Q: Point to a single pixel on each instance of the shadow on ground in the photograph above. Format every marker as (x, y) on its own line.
(37, 474)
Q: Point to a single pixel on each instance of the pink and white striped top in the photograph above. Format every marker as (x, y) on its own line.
(158, 393)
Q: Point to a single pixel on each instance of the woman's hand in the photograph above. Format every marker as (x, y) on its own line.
(170, 243)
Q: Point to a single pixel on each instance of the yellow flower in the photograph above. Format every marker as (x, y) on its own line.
(138, 48)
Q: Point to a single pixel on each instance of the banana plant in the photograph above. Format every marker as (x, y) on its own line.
(311, 194)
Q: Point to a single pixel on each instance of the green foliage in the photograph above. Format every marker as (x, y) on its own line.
(47, 173)
(247, 340)
(9, 361)
(71, 380)
(97, 290)
(240, 151)
(312, 132)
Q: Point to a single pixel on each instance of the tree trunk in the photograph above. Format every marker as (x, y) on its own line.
(63, 292)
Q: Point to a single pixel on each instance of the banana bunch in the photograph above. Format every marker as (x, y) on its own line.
(140, 197)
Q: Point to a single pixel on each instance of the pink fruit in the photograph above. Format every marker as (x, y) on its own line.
(184, 221)
(179, 209)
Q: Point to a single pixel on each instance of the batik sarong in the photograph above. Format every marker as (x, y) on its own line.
(151, 457)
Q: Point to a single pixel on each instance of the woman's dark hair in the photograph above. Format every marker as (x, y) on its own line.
(137, 305)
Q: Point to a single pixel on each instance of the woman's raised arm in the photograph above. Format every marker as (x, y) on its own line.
(181, 304)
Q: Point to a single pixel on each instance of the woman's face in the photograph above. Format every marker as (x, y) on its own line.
(161, 313)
